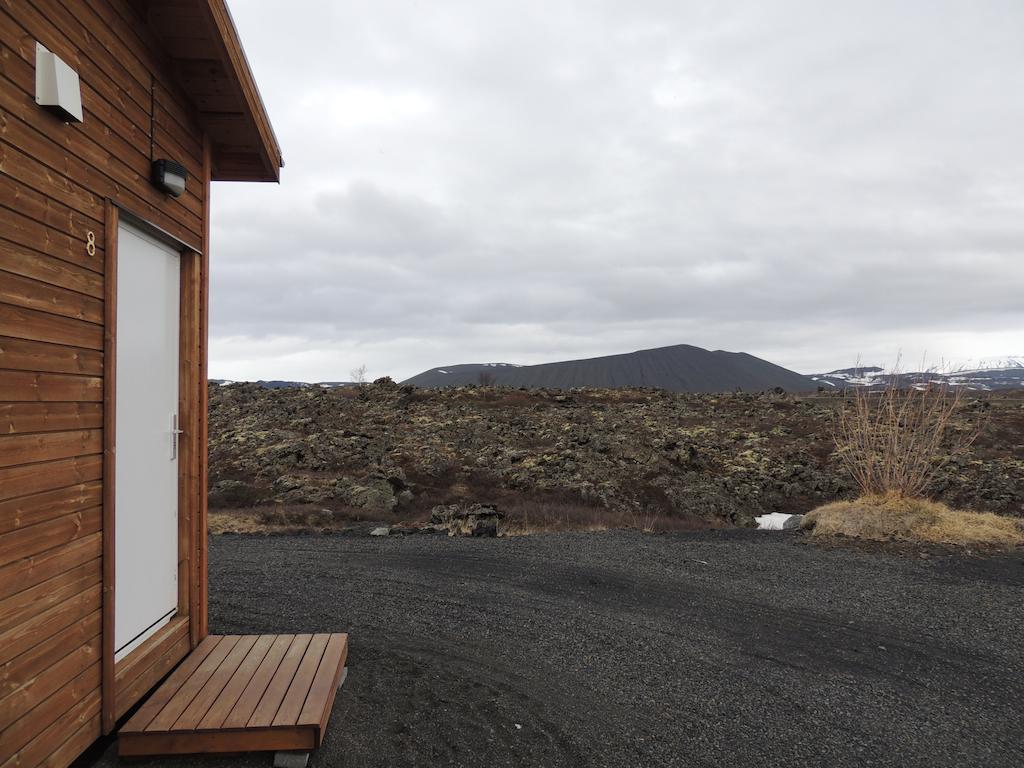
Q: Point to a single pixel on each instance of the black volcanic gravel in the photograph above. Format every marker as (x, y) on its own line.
(736, 648)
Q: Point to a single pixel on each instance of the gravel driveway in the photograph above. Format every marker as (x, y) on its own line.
(737, 648)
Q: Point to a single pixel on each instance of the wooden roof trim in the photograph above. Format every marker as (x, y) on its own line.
(234, 56)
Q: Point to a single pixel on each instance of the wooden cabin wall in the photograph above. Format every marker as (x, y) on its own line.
(57, 183)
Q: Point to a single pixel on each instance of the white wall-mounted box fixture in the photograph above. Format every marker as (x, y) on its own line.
(57, 86)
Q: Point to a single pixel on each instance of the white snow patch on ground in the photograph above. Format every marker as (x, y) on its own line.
(773, 521)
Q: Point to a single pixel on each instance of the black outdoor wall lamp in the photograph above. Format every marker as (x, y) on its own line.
(169, 177)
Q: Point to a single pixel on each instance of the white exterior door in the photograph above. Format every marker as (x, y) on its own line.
(146, 450)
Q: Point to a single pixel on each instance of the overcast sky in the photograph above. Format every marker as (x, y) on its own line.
(478, 181)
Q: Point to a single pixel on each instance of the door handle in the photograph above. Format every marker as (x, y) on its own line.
(174, 436)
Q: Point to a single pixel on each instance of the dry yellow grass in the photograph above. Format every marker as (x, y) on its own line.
(237, 522)
(295, 518)
(882, 518)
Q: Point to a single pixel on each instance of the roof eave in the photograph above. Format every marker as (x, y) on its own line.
(233, 55)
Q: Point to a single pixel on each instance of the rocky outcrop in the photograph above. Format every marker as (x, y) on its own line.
(472, 520)
(396, 452)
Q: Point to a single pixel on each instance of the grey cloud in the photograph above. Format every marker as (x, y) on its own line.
(538, 180)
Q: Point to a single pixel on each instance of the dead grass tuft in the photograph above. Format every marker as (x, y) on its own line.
(886, 517)
(294, 518)
(529, 517)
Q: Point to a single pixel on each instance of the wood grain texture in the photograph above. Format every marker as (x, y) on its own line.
(33, 691)
(28, 571)
(24, 418)
(74, 721)
(48, 446)
(34, 539)
(35, 386)
(293, 739)
(147, 665)
(240, 679)
(214, 686)
(33, 325)
(61, 188)
(265, 711)
(24, 511)
(46, 624)
(187, 376)
(75, 37)
(155, 703)
(184, 696)
(75, 744)
(87, 163)
(200, 583)
(323, 689)
(22, 731)
(46, 269)
(108, 708)
(26, 479)
(28, 170)
(250, 697)
(281, 689)
(21, 607)
(20, 671)
(30, 293)
(36, 235)
(298, 689)
(40, 357)
(55, 215)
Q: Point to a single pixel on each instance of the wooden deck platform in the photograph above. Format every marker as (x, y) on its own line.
(242, 693)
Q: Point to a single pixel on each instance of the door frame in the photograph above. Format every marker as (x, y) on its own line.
(191, 609)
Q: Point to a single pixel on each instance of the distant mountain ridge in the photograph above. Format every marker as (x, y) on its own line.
(981, 376)
(678, 368)
(672, 368)
(283, 384)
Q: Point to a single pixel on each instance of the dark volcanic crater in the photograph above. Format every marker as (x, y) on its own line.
(679, 368)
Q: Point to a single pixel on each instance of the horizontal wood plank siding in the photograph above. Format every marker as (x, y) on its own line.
(27, 292)
(28, 355)
(55, 183)
(26, 479)
(46, 269)
(32, 386)
(147, 665)
(24, 449)
(21, 607)
(24, 573)
(20, 672)
(18, 418)
(33, 325)
(22, 731)
(21, 544)
(81, 721)
(26, 511)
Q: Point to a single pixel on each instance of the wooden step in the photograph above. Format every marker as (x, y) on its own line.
(242, 693)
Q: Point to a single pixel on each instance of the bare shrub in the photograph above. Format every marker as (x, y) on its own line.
(358, 375)
(895, 441)
(486, 379)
